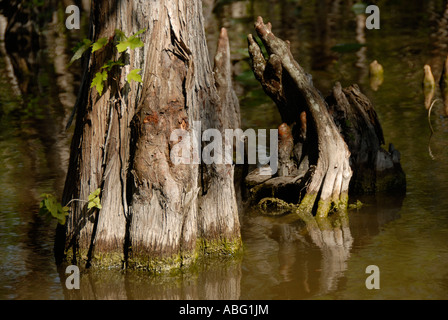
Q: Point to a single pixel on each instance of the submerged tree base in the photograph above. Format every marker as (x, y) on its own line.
(204, 249)
(215, 249)
(104, 259)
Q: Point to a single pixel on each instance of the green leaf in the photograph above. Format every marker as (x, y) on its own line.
(61, 217)
(94, 200)
(110, 64)
(97, 203)
(135, 43)
(139, 32)
(132, 42)
(122, 46)
(96, 193)
(50, 207)
(97, 82)
(80, 49)
(59, 211)
(120, 35)
(133, 75)
(43, 211)
(99, 44)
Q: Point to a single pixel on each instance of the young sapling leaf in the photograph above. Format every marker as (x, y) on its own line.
(133, 75)
(82, 47)
(99, 44)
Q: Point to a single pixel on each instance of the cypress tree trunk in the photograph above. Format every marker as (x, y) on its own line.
(155, 214)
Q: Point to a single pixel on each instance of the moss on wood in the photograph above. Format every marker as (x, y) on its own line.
(154, 264)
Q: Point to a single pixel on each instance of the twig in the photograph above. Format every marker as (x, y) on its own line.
(85, 201)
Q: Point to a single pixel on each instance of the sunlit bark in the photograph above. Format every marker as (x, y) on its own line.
(155, 215)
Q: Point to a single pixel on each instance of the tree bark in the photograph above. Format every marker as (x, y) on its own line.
(317, 146)
(155, 214)
(374, 169)
(327, 147)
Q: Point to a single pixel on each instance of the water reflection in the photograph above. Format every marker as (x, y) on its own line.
(325, 26)
(36, 94)
(299, 263)
(405, 237)
(292, 263)
(211, 280)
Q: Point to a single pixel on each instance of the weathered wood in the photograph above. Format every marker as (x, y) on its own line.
(336, 136)
(374, 169)
(155, 214)
(288, 188)
(327, 148)
(218, 208)
(284, 80)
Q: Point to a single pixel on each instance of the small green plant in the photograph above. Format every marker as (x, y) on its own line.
(132, 42)
(98, 81)
(99, 44)
(50, 207)
(134, 76)
(121, 43)
(79, 50)
(94, 200)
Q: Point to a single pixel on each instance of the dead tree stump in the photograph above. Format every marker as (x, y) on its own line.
(317, 143)
(374, 169)
(328, 147)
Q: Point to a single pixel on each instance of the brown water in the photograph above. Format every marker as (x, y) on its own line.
(406, 237)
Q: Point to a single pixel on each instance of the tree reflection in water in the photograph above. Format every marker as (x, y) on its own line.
(281, 259)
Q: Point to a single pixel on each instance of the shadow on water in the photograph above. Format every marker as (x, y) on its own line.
(404, 236)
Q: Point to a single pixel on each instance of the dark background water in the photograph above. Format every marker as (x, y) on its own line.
(406, 237)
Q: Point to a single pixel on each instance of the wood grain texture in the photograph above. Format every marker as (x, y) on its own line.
(155, 214)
